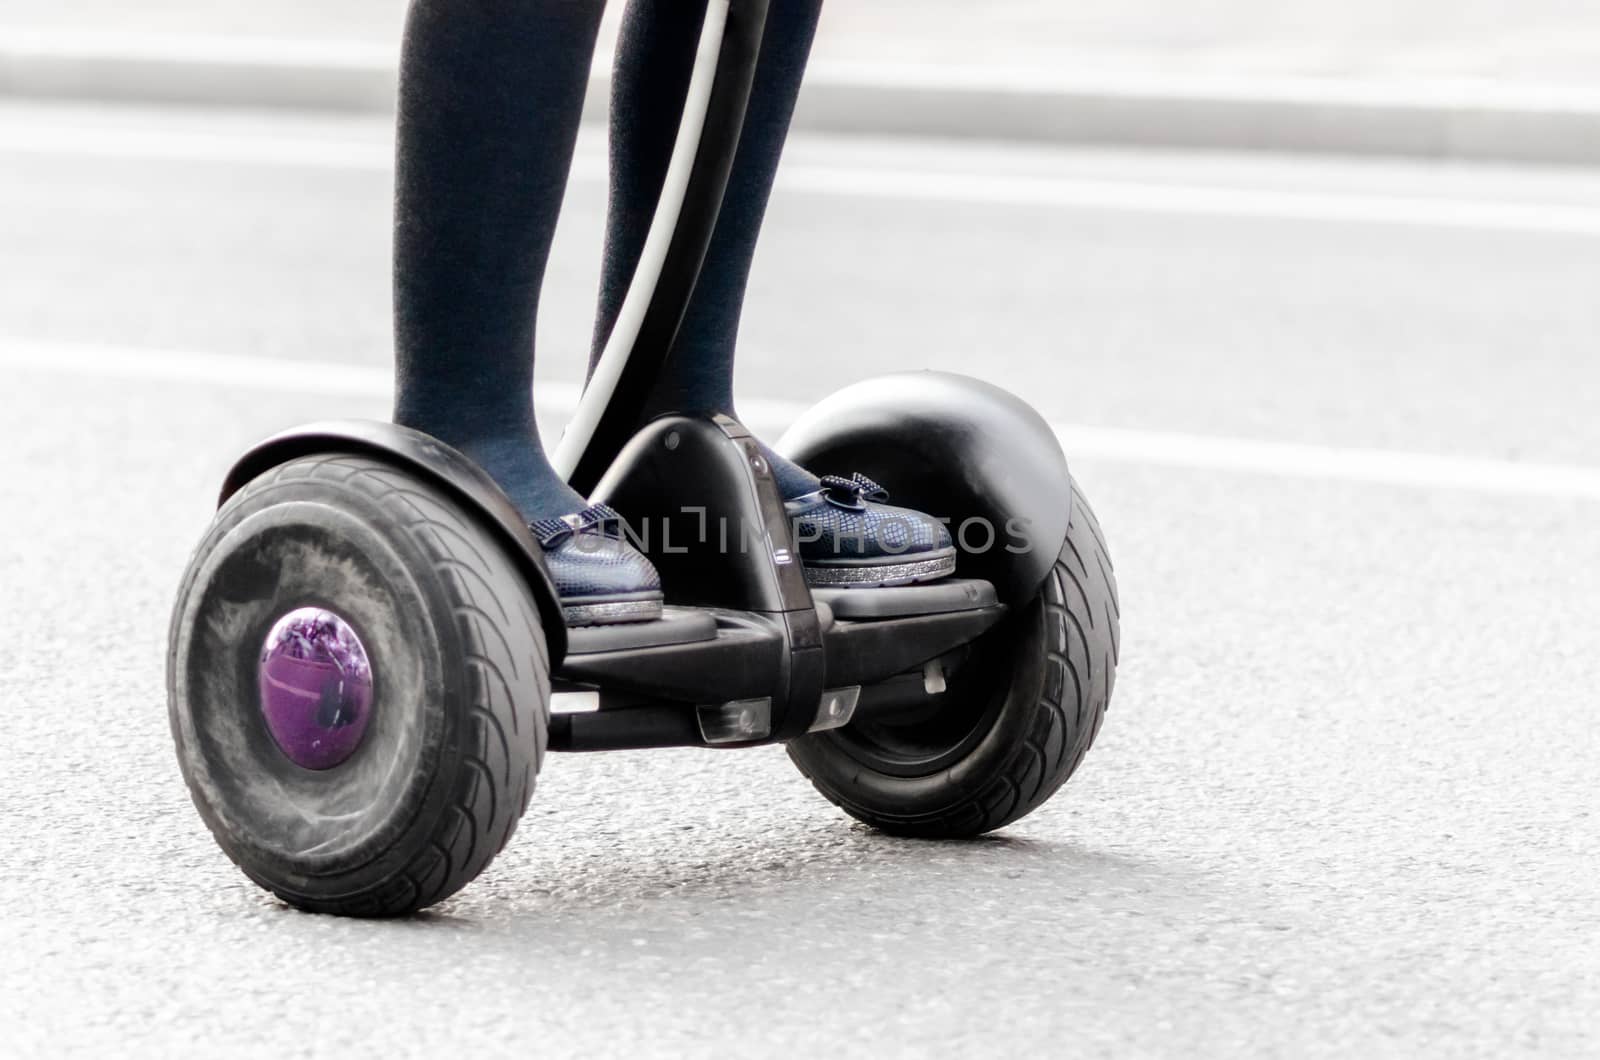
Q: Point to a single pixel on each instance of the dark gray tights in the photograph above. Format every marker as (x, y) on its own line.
(490, 97)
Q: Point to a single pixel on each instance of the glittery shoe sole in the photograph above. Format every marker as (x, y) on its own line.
(876, 574)
(606, 610)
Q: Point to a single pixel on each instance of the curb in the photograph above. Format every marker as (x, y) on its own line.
(1464, 120)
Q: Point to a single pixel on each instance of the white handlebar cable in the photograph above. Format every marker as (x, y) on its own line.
(674, 189)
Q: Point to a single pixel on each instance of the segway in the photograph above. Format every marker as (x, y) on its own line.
(365, 644)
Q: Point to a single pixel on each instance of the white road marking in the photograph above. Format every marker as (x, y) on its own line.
(381, 59)
(1486, 94)
(353, 152)
(211, 49)
(189, 144)
(771, 416)
(276, 374)
(1388, 467)
(1194, 200)
(175, 366)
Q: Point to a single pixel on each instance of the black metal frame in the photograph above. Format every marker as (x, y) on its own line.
(702, 503)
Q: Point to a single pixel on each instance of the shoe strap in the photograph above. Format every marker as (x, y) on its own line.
(598, 518)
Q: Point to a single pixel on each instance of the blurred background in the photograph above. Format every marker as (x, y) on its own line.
(1538, 40)
(1308, 291)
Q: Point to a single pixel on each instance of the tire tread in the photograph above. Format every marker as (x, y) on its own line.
(464, 840)
(1083, 648)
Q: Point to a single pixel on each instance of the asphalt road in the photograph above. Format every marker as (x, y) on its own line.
(1341, 434)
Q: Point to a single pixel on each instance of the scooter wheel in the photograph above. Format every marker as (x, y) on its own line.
(358, 687)
(1019, 713)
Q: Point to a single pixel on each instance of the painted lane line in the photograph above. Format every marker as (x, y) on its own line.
(280, 374)
(1194, 200)
(882, 184)
(557, 400)
(1295, 460)
(381, 58)
(263, 148)
(285, 375)
(210, 48)
(1486, 94)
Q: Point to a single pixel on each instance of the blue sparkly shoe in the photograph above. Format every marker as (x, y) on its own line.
(849, 538)
(600, 577)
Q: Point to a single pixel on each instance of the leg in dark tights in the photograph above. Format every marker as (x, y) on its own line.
(490, 97)
(491, 93)
(654, 60)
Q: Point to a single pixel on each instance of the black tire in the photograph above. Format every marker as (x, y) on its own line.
(460, 677)
(1020, 713)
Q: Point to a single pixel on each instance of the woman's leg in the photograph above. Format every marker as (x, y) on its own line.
(491, 92)
(846, 535)
(654, 60)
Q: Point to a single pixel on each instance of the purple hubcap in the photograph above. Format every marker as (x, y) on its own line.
(316, 687)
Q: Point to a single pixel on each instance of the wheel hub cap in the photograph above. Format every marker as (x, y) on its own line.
(316, 688)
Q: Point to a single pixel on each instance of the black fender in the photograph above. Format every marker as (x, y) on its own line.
(437, 463)
(959, 449)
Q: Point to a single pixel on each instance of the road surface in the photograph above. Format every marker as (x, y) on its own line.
(1339, 423)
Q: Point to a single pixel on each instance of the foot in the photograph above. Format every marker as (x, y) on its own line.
(849, 538)
(600, 578)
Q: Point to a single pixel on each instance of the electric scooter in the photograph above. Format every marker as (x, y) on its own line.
(366, 642)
